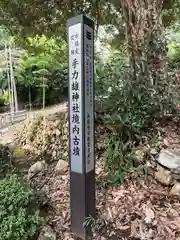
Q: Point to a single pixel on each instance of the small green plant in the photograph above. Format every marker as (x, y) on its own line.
(119, 159)
(19, 215)
(89, 222)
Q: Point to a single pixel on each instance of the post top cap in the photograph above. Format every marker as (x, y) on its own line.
(81, 18)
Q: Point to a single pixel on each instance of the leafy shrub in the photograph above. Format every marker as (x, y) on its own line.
(174, 55)
(109, 74)
(131, 108)
(19, 215)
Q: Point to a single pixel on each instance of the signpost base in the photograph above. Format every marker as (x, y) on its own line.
(82, 203)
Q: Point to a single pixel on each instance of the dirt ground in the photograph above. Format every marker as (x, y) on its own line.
(140, 209)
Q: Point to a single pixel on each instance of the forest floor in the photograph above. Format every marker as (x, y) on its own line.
(140, 209)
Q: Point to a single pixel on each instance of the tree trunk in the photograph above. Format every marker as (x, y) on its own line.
(145, 39)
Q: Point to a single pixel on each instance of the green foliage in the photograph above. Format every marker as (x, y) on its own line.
(3, 80)
(19, 215)
(4, 99)
(134, 109)
(4, 36)
(174, 55)
(36, 17)
(173, 33)
(131, 108)
(43, 56)
(43, 64)
(171, 11)
(109, 73)
(173, 40)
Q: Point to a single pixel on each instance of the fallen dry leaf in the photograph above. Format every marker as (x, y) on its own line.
(149, 213)
(137, 209)
(166, 142)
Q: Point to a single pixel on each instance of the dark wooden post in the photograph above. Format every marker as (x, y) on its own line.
(81, 123)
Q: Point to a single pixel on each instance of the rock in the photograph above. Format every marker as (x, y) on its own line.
(153, 151)
(36, 168)
(54, 154)
(58, 132)
(166, 142)
(176, 189)
(57, 123)
(61, 167)
(149, 213)
(139, 154)
(45, 189)
(65, 155)
(149, 169)
(176, 177)
(28, 147)
(47, 233)
(170, 159)
(164, 176)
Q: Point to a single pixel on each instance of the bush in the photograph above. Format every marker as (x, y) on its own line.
(174, 55)
(19, 215)
(109, 74)
(131, 107)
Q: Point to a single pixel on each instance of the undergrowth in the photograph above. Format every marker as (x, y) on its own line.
(19, 213)
(119, 159)
(131, 108)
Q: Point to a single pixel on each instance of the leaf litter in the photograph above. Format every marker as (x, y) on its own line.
(136, 210)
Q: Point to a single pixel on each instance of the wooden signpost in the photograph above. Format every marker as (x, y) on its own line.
(81, 123)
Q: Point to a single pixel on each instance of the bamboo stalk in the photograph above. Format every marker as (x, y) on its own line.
(8, 78)
(13, 81)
